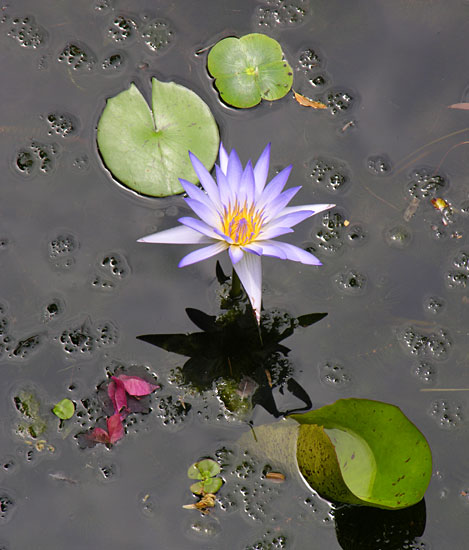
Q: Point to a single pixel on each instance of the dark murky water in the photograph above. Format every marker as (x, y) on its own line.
(76, 288)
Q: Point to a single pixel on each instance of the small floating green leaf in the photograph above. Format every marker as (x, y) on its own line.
(147, 150)
(249, 69)
(204, 469)
(64, 409)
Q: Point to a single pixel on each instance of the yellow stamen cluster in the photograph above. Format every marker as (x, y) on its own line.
(242, 223)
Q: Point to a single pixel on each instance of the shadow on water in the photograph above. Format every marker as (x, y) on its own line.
(363, 528)
(244, 362)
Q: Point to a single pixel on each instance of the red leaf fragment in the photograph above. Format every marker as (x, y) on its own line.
(116, 392)
(136, 386)
(115, 428)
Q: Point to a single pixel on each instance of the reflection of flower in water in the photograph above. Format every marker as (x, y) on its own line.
(239, 213)
(230, 357)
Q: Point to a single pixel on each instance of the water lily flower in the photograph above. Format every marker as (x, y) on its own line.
(243, 215)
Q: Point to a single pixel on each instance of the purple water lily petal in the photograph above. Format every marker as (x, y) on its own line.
(273, 231)
(226, 193)
(275, 206)
(200, 226)
(313, 208)
(261, 170)
(289, 220)
(234, 171)
(290, 252)
(236, 254)
(197, 194)
(176, 235)
(206, 179)
(249, 271)
(247, 184)
(206, 213)
(223, 159)
(274, 187)
(203, 253)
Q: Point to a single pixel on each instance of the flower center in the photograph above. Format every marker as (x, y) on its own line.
(242, 224)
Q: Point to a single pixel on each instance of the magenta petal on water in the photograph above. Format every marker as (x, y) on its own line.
(99, 435)
(115, 428)
(137, 386)
(117, 395)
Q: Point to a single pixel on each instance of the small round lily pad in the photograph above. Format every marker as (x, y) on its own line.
(147, 150)
(249, 69)
(64, 409)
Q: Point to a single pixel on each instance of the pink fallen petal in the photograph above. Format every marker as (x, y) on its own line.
(116, 392)
(99, 435)
(115, 428)
(136, 386)
(463, 106)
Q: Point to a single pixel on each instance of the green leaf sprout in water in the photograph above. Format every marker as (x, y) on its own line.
(206, 471)
(147, 150)
(249, 69)
(355, 451)
(64, 409)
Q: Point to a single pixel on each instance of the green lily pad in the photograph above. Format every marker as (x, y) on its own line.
(249, 69)
(147, 150)
(211, 485)
(204, 469)
(64, 409)
(355, 451)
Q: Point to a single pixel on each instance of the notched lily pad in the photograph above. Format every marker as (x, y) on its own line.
(355, 451)
(249, 69)
(147, 150)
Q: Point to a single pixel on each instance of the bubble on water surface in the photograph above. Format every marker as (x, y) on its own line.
(356, 235)
(7, 506)
(171, 411)
(61, 250)
(115, 265)
(458, 278)
(26, 347)
(77, 56)
(53, 309)
(309, 59)
(9, 464)
(114, 62)
(351, 282)
(81, 163)
(330, 237)
(398, 236)
(330, 173)
(121, 29)
(333, 373)
(108, 471)
(62, 124)
(435, 345)
(269, 541)
(434, 304)
(281, 13)
(379, 165)
(426, 372)
(36, 157)
(157, 34)
(205, 527)
(448, 414)
(425, 183)
(103, 6)
(26, 32)
(84, 337)
(338, 101)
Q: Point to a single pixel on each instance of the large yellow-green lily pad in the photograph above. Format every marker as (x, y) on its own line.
(147, 149)
(355, 451)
